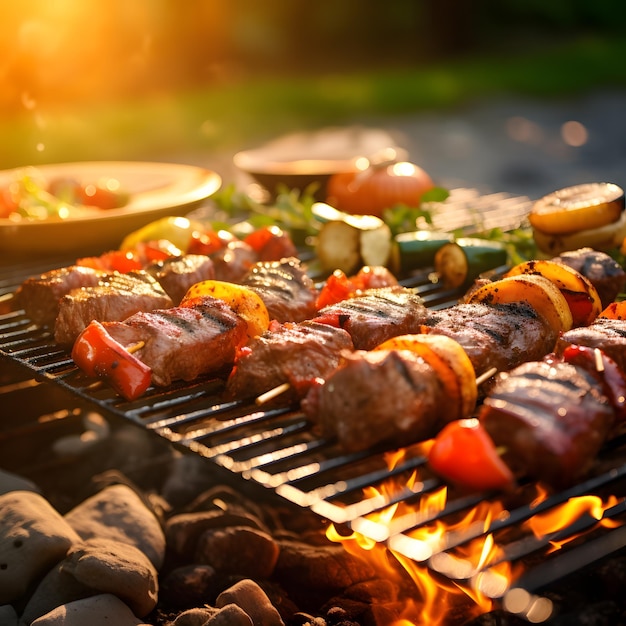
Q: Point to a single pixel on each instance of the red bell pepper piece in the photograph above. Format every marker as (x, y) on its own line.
(607, 371)
(338, 287)
(99, 355)
(463, 453)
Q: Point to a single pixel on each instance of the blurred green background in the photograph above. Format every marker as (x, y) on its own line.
(143, 79)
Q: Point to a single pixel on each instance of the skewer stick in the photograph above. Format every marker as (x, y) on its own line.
(272, 393)
(486, 376)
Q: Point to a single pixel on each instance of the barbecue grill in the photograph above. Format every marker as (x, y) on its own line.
(278, 450)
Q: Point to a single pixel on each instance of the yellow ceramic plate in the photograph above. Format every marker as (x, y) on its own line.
(156, 190)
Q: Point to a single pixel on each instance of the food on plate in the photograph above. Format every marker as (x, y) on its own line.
(30, 195)
(602, 270)
(377, 315)
(458, 263)
(347, 242)
(285, 287)
(378, 187)
(590, 215)
(115, 297)
(242, 300)
(295, 354)
(581, 296)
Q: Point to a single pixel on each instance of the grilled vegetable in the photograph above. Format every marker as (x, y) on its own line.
(99, 355)
(542, 294)
(450, 362)
(347, 242)
(177, 230)
(460, 262)
(581, 296)
(244, 301)
(464, 453)
(583, 215)
(378, 187)
(417, 249)
(615, 311)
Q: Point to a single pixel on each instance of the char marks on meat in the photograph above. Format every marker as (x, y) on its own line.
(39, 296)
(296, 354)
(379, 397)
(377, 315)
(607, 334)
(604, 272)
(500, 336)
(115, 297)
(183, 343)
(551, 418)
(177, 274)
(284, 286)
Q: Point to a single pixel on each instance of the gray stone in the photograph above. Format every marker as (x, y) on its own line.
(247, 595)
(33, 538)
(230, 615)
(56, 588)
(8, 616)
(117, 568)
(100, 610)
(13, 482)
(119, 514)
(195, 617)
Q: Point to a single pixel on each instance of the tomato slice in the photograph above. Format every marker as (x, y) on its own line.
(208, 242)
(271, 243)
(99, 355)
(338, 287)
(463, 453)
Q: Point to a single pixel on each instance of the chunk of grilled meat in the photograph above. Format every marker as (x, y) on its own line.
(177, 274)
(234, 261)
(550, 417)
(115, 297)
(500, 335)
(604, 272)
(39, 296)
(381, 397)
(296, 354)
(377, 315)
(607, 334)
(185, 342)
(284, 286)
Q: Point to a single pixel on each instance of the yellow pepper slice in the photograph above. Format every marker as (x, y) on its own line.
(244, 301)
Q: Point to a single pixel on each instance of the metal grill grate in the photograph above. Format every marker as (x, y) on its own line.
(278, 449)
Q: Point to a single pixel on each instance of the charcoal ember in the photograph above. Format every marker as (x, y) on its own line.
(238, 550)
(253, 600)
(183, 531)
(326, 568)
(119, 514)
(33, 538)
(227, 499)
(189, 586)
(304, 619)
(117, 568)
(100, 610)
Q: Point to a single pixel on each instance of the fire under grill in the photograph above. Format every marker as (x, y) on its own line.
(278, 450)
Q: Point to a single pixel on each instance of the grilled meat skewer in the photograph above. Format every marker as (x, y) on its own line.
(294, 353)
(115, 297)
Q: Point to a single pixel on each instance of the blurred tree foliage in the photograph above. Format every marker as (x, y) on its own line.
(106, 49)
